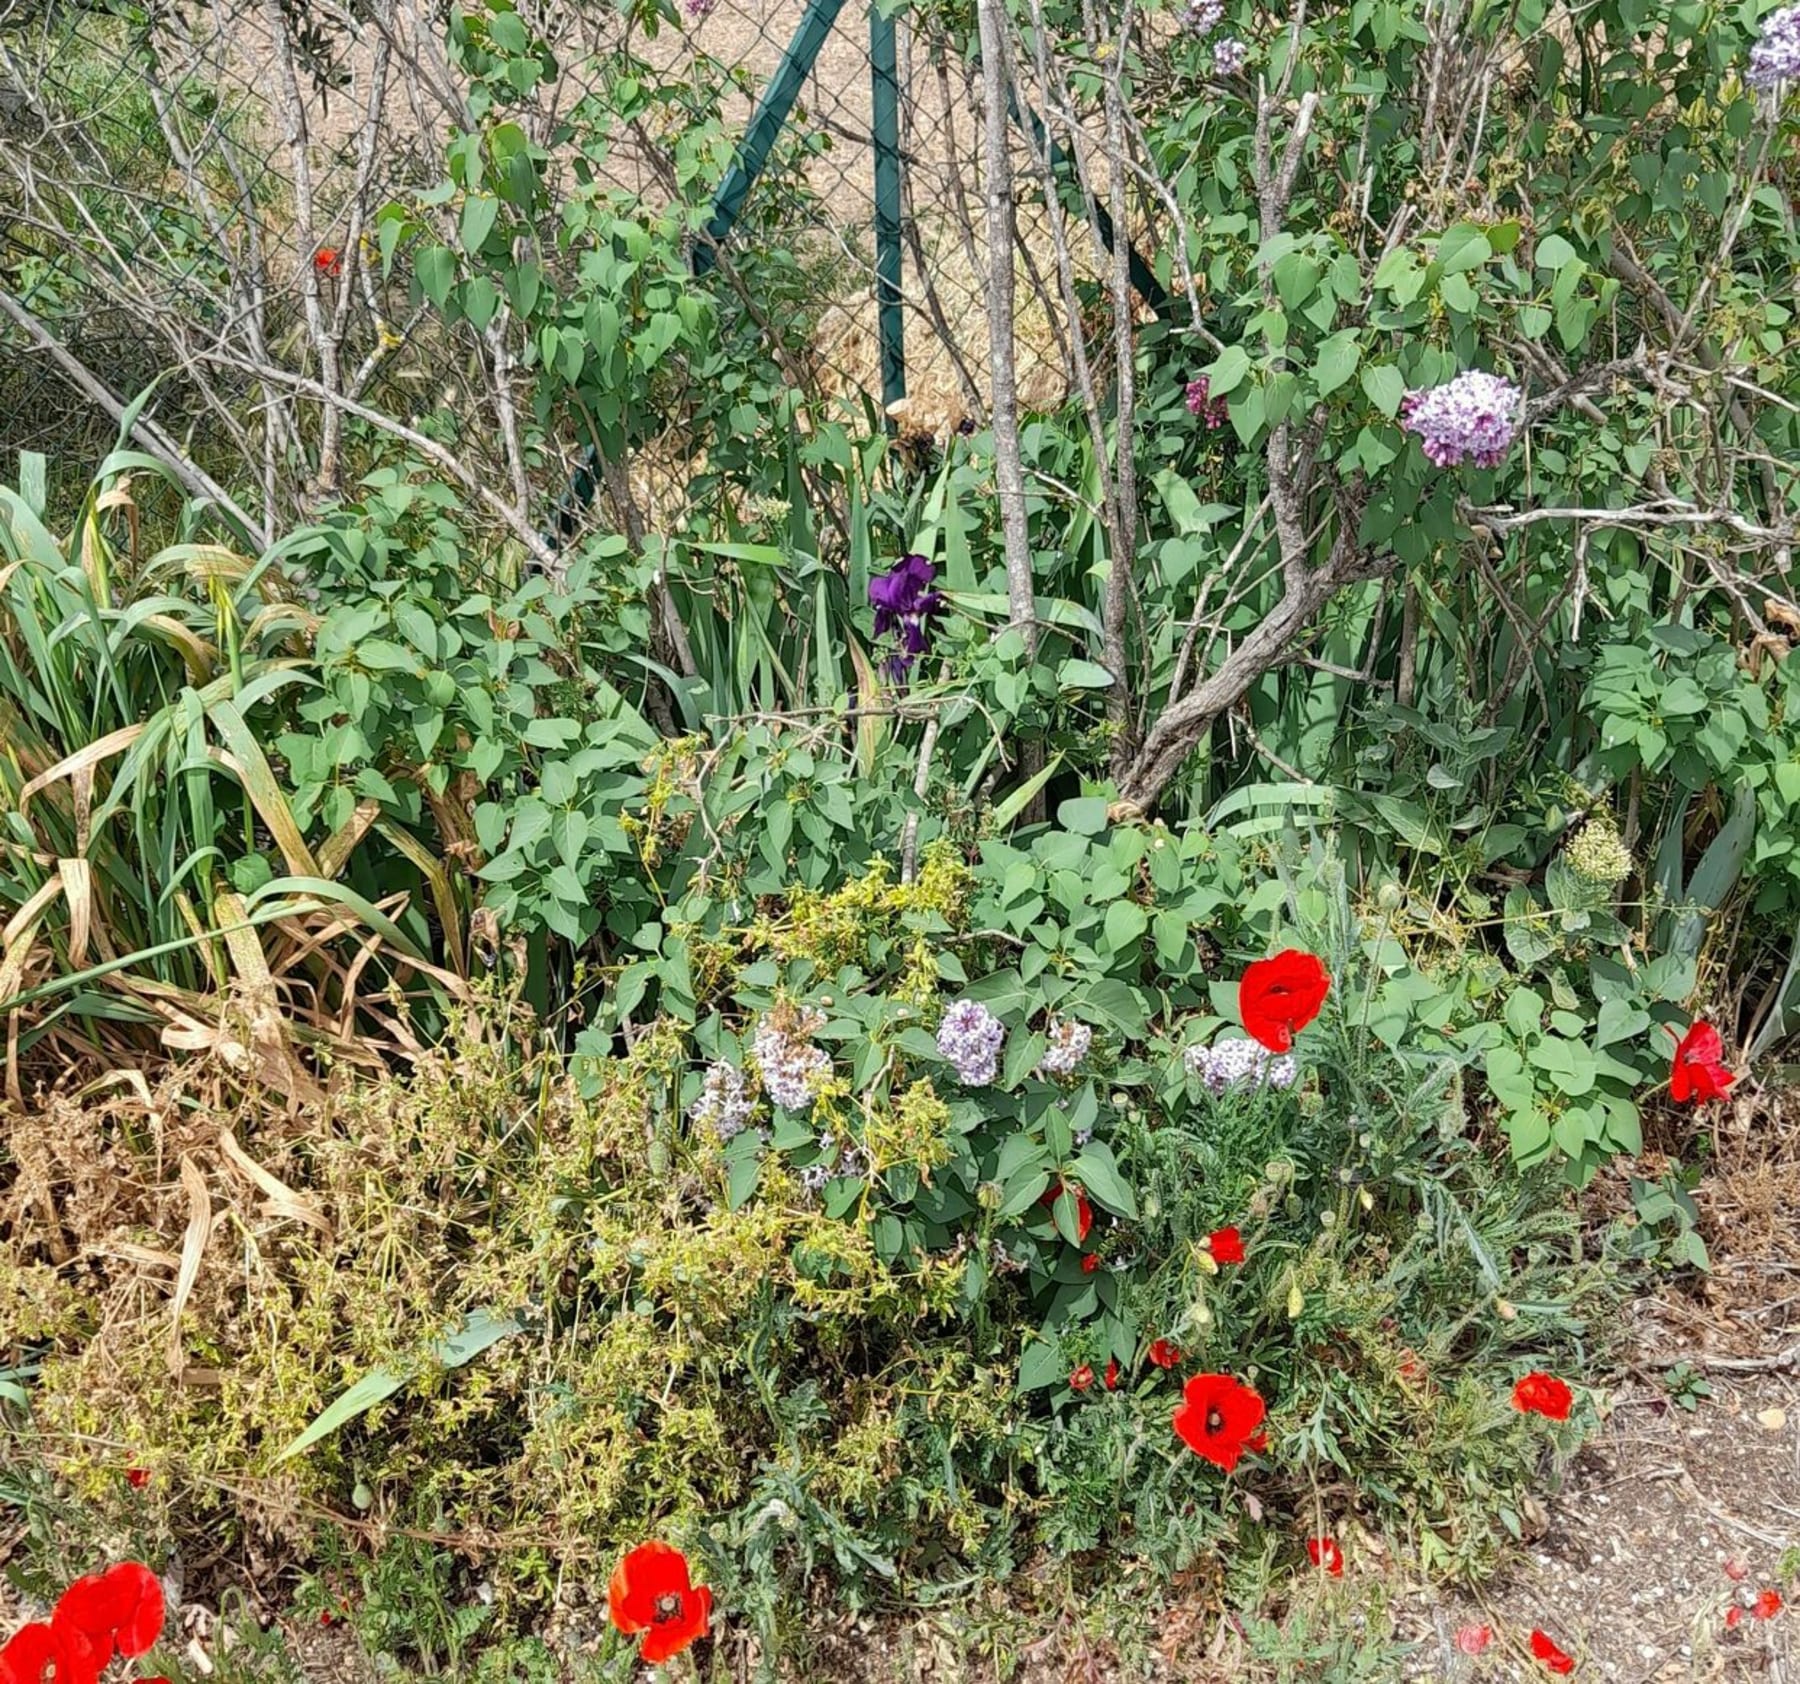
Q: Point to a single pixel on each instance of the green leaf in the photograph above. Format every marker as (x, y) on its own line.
(1554, 252)
(1076, 674)
(1384, 386)
(1085, 815)
(436, 268)
(480, 1330)
(1462, 247)
(1097, 1171)
(1336, 361)
(479, 214)
(1227, 371)
(1040, 1367)
(1126, 922)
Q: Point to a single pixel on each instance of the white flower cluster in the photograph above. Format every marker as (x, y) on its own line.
(1229, 56)
(971, 1037)
(1236, 1061)
(725, 1102)
(1069, 1043)
(1776, 56)
(788, 1062)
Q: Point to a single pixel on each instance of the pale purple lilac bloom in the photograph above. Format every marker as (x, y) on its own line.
(1775, 58)
(1236, 1062)
(971, 1037)
(788, 1065)
(1475, 415)
(1069, 1043)
(1229, 56)
(1202, 16)
(905, 603)
(725, 1102)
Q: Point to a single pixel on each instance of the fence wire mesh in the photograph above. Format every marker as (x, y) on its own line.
(184, 189)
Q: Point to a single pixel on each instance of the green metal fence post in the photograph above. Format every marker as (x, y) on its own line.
(777, 101)
(885, 91)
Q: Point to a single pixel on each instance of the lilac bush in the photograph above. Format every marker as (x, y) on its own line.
(1229, 56)
(788, 1062)
(1475, 415)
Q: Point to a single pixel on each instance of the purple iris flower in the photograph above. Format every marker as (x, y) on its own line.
(904, 604)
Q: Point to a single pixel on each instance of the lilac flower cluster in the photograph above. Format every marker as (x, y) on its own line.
(1069, 1043)
(1229, 56)
(1775, 58)
(1236, 1061)
(850, 1160)
(699, 10)
(1202, 403)
(788, 1062)
(1202, 16)
(1475, 415)
(970, 1037)
(725, 1102)
(905, 604)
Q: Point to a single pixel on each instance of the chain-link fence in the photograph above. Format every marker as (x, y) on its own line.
(186, 190)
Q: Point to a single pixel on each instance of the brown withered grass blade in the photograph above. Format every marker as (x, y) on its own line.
(193, 1249)
(283, 1200)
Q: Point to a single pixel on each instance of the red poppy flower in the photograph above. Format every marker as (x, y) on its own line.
(137, 1478)
(1766, 1606)
(1473, 1640)
(1259, 1441)
(1699, 1072)
(120, 1609)
(1733, 1616)
(1226, 1245)
(328, 261)
(1280, 995)
(1324, 1552)
(1090, 1263)
(1163, 1354)
(1084, 1212)
(1543, 1394)
(1217, 1418)
(36, 1654)
(1112, 1375)
(652, 1593)
(1081, 1379)
(1553, 1658)
(158, 1679)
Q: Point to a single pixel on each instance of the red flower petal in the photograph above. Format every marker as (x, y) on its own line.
(121, 1609)
(1218, 1418)
(1090, 1263)
(1226, 1245)
(1473, 1640)
(1698, 1072)
(689, 1616)
(137, 1478)
(1324, 1552)
(1766, 1606)
(1733, 1616)
(1163, 1354)
(1735, 1568)
(1552, 1657)
(643, 1582)
(1543, 1394)
(1081, 1379)
(1112, 1375)
(1280, 995)
(37, 1653)
(1084, 1212)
